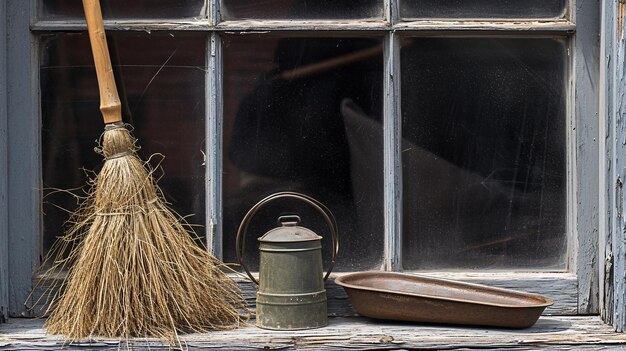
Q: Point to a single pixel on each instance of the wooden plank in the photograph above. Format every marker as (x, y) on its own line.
(558, 333)
(392, 161)
(390, 10)
(548, 26)
(214, 11)
(607, 177)
(4, 227)
(24, 181)
(615, 264)
(213, 161)
(583, 136)
(619, 219)
(561, 288)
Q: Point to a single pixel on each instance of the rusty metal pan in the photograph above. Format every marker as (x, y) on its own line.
(408, 297)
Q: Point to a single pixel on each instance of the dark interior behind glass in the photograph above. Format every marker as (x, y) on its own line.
(492, 9)
(160, 78)
(484, 153)
(124, 9)
(289, 133)
(300, 9)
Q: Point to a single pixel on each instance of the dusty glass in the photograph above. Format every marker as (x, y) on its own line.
(160, 79)
(484, 153)
(124, 9)
(293, 108)
(301, 9)
(490, 9)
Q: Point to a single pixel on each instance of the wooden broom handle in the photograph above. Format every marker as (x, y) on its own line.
(110, 104)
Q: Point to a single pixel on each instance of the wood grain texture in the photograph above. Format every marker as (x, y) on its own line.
(545, 26)
(613, 93)
(110, 104)
(213, 157)
(392, 167)
(619, 235)
(390, 11)
(562, 288)
(607, 188)
(557, 333)
(584, 167)
(616, 94)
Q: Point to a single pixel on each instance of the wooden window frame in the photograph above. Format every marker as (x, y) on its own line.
(612, 153)
(575, 291)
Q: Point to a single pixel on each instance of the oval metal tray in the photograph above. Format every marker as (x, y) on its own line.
(408, 297)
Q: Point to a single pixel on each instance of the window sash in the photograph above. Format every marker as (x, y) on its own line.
(577, 288)
(510, 27)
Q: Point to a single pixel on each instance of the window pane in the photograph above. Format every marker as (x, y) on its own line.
(297, 9)
(284, 102)
(161, 83)
(482, 8)
(118, 9)
(484, 153)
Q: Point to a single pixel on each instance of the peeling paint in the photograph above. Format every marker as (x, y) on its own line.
(244, 26)
(619, 199)
(620, 17)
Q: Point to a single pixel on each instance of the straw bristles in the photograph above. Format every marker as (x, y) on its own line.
(134, 269)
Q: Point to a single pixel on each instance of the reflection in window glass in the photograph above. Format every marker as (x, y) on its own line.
(118, 9)
(482, 8)
(285, 102)
(161, 83)
(483, 153)
(301, 9)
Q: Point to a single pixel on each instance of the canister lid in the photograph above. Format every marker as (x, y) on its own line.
(289, 231)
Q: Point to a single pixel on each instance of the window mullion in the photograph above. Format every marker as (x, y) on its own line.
(583, 144)
(391, 11)
(214, 12)
(214, 145)
(392, 156)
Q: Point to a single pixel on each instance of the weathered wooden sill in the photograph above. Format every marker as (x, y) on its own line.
(559, 333)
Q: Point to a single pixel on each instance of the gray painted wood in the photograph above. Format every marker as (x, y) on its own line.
(392, 156)
(584, 131)
(547, 26)
(24, 180)
(616, 264)
(614, 93)
(608, 177)
(214, 12)
(214, 144)
(556, 333)
(561, 288)
(4, 227)
(390, 11)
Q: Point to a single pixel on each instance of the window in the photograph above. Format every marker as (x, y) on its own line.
(450, 140)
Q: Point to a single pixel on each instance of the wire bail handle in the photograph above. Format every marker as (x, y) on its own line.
(321, 208)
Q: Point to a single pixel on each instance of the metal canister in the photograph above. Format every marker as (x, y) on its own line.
(291, 291)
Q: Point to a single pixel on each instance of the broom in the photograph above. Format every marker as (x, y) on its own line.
(133, 268)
